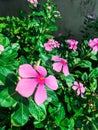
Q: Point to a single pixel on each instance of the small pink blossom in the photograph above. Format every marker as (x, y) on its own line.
(79, 87)
(49, 7)
(72, 44)
(34, 2)
(33, 81)
(91, 16)
(94, 44)
(60, 65)
(51, 44)
(1, 49)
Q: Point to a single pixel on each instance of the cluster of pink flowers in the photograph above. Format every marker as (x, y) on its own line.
(33, 81)
(34, 2)
(94, 44)
(72, 44)
(60, 65)
(51, 44)
(1, 49)
(79, 87)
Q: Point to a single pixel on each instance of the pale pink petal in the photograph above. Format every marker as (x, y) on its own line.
(65, 70)
(51, 82)
(91, 43)
(1, 48)
(82, 88)
(41, 70)
(48, 47)
(78, 92)
(95, 48)
(75, 87)
(76, 83)
(56, 58)
(27, 71)
(26, 87)
(57, 67)
(40, 95)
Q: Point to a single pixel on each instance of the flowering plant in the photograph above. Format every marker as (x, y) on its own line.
(46, 83)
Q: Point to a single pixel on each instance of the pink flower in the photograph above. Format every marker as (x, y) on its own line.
(79, 87)
(33, 81)
(72, 44)
(60, 65)
(49, 7)
(34, 2)
(51, 44)
(94, 44)
(1, 49)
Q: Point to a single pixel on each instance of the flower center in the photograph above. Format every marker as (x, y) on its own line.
(79, 87)
(63, 62)
(41, 79)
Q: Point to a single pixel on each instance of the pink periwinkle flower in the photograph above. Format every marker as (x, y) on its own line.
(60, 65)
(49, 7)
(72, 44)
(94, 44)
(91, 16)
(51, 44)
(34, 2)
(1, 49)
(33, 81)
(79, 87)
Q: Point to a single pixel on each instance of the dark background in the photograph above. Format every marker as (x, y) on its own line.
(72, 11)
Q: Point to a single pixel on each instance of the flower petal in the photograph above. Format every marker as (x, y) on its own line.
(78, 92)
(95, 48)
(75, 87)
(65, 70)
(57, 67)
(56, 58)
(41, 70)
(40, 95)
(76, 83)
(27, 71)
(51, 82)
(26, 87)
(82, 88)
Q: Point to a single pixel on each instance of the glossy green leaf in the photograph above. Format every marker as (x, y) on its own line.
(94, 73)
(86, 64)
(5, 98)
(38, 112)
(21, 116)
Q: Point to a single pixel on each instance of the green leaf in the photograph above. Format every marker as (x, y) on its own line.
(67, 100)
(38, 124)
(3, 73)
(69, 80)
(38, 112)
(71, 124)
(5, 98)
(78, 113)
(20, 116)
(94, 73)
(15, 46)
(84, 77)
(52, 97)
(86, 64)
(60, 114)
(93, 84)
(4, 40)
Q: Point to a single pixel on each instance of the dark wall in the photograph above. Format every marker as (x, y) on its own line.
(72, 11)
